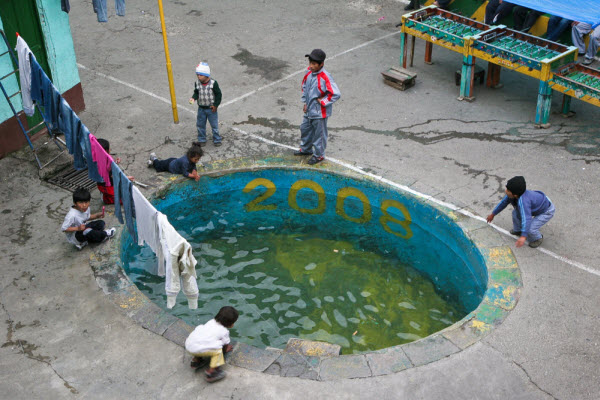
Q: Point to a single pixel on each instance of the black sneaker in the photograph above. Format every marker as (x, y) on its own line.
(215, 376)
(536, 243)
(218, 144)
(314, 159)
(516, 233)
(302, 153)
(201, 144)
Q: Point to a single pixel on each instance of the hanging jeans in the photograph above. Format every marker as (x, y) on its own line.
(100, 9)
(122, 191)
(213, 119)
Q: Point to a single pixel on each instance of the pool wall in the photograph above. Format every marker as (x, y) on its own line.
(489, 269)
(393, 223)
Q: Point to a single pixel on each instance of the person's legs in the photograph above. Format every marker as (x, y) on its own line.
(592, 48)
(201, 124)
(539, 221)
(94, 233)
(120, 7)
(306, 136)
(162, 165)
(108, 194)
(556, 26)
(577, 33)
(516, 218)
(213, 120)
(216, 357)
(413, 5)
(530, 20)
(502, 12)
(490, 10)
(320, 136)
(520, 15)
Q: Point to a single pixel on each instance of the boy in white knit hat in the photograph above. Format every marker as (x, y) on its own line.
(208, 95)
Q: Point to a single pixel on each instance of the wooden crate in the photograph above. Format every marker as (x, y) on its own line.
(399, 78)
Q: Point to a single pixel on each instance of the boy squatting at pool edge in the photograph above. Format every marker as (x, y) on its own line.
(532, 209)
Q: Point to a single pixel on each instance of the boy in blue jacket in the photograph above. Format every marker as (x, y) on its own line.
(532, 209)
(185, 165)
(319, 92)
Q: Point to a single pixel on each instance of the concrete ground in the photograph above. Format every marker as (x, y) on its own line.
(65, 339)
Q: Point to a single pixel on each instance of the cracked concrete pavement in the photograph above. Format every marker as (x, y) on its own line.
(64, 339)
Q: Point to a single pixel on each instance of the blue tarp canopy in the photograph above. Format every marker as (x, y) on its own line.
(576, 10)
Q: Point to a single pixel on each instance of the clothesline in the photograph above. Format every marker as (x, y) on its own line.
(144, 222)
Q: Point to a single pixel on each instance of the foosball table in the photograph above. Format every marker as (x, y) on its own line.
(499, 46)
(526, 54)
(579, 81)
(442, 28)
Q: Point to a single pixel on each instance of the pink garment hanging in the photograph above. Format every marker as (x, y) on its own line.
(102, 159)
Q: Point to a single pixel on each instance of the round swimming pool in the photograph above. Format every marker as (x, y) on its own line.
(316, 255)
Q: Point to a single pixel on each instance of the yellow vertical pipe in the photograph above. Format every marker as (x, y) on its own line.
(168, 58)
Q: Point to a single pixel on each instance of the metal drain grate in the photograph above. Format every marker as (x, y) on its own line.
(72, 179)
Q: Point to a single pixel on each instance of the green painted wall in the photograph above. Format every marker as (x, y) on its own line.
(59, 44)
(59, 49)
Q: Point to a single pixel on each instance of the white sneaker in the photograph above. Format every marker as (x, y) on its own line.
(81, 245)
(151, 159)
(110, 232)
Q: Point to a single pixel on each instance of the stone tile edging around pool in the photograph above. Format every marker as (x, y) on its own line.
(504, 285)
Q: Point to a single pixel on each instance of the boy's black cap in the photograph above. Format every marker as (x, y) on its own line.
(516, 185)
(317, 55)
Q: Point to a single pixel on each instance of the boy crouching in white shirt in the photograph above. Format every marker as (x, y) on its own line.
(212, 340)
(76, 226)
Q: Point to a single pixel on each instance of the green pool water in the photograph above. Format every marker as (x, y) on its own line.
(315, 255)
(291, 284)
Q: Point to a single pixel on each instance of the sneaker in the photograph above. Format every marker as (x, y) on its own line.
(587, 61)
(81, 245)
(151, 159)
(215, 376)
(110, 232)
(302, 153)
(536, 243)
(201, 144)
(314, 159)
(516, 233)
(218, 144)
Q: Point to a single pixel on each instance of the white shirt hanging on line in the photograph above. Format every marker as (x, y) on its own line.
(23, 54)
(179, 264)
(146, 221)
